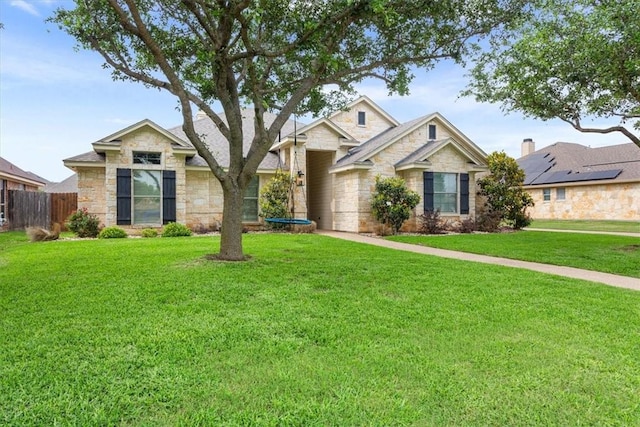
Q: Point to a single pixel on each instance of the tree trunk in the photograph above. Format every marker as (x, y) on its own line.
(231, 234)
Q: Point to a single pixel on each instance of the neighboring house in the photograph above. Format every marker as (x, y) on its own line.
(145, 175)
(14, 178)
(571, 181)
(68, 185)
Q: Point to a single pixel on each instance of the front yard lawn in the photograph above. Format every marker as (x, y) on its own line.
(605, 253)
(311, 331)
(587, 225)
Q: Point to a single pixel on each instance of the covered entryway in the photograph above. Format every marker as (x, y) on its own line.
(320, 188)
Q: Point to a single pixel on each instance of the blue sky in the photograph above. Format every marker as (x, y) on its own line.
(55, 101)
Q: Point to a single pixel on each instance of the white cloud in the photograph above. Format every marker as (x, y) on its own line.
(25, 6)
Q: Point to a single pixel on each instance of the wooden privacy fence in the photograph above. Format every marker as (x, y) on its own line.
(38, 209)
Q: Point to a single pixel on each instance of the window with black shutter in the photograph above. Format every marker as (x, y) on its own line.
(168, 197)
(123, 196)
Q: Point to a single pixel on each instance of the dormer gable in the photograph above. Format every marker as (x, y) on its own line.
(113, 142)
(363, 119)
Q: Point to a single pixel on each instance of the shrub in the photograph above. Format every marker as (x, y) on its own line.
(431, 223)
(175, 229)
(392, 202)
(149, 232)
(488, 220)
(274, 198)
(113, 232)
(467, 226)
(83, 224)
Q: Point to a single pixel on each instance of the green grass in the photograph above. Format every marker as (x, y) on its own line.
(605, 253)
(310, 332)
(583, 225)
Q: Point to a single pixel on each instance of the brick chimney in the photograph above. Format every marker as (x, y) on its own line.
(528, 146)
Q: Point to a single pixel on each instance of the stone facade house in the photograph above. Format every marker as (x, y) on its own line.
(144, 175)
(572, 181)
(14, 178)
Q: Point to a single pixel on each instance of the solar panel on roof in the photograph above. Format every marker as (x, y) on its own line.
(567, 176)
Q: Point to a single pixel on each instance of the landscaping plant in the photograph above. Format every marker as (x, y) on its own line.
(113, 232)
(175, 229)
(274, 198)
(392, 202)
(83, 224)
(504, 192)
(149, 232)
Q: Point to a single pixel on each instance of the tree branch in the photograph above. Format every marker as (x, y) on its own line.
(576, 124)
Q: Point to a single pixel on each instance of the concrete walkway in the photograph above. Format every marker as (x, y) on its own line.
(575, 273)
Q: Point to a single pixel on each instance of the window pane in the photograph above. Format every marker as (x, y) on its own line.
(250, 210)
(146, 158)
(146, 210)
(250, 204)
(560, 193)
(432, 131)
(362, 118)
(445, 189)
(252, 188)
(446, 202)
(146, 183)
(146, 196)
(546, 194)
(445, 183)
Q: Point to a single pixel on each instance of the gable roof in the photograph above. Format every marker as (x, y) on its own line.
(288, 138)
(11, 172)
(366, 100)
(565, 162)
(370, 148)
(113, 140)
(419, 157)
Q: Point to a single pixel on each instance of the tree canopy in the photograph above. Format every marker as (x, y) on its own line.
(273, 55)
(573, 61)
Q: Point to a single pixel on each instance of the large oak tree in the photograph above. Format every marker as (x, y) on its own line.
(573, 61)
(272, 55)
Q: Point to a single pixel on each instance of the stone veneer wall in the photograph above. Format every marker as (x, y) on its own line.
(356, 208)
(346, 189)
(204, 200)
(92, 192)
(613, 201)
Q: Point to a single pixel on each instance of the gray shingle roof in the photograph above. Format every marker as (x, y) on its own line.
(89, 157)
(218, 144)
(10, 169)
(69, 185)
(565, 162)
(422, 153)
(366, 149)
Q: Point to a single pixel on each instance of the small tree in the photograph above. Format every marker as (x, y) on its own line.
(274, 197)
(504, 192)
(392, 202)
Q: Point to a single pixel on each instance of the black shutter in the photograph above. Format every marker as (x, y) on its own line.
(464, 194)
(428, 191)
(123, 197)
(168, 197)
